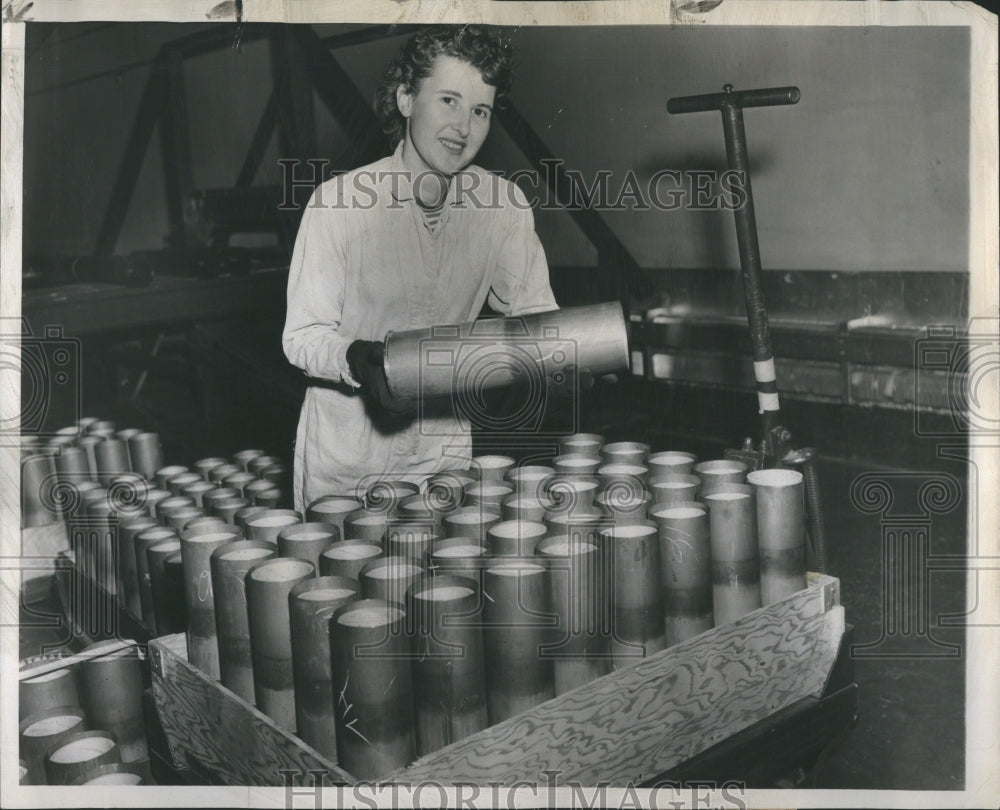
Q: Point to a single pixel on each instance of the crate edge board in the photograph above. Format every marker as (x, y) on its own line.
(820, 622)
(819, 603)
(187, 698)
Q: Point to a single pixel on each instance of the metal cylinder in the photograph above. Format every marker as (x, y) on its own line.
(38, 480)
(239, 480)
(580, 647)
(631, 556)
(633, 474)
(449, 680)
(525, 507)
(735, 564)
(570, 494)
(460, 557)
(244, 457)
(332, 509)
(226, 508)
(242, 515)
(164, 474)
(272, 498)
(517, 625)
(210, 498)
(86, 422)
(673, 488)
(387, 578)
(584, 519)
(625, 502)
(80, 754)
(267, 525)
(41, 731)
(111, 457)
(253, 490)
(370, 664)
(719, 471)
(685, 569)
(411, 540)
(669, 462)
(311, 604)
(529, 479)
(487, 494)
(203, 520)
(365, 524)
(307, 541)
(173, 586)
(166, 506)
(416, 510)
(633, 453)
(55, 688)
(781, 536)
(177, 483)
(491, 469)
(230, 563)
(111, 688)
(257, 464)
(197, 546)
(278, 474)
(143, 539)
(445, 490)
(180, 517)
(268, 584)
(102, 541)
(470, 521)
(590, 338)
(221, 472)
(514, 538)
(204, 466)
(584, 444)
(101, 425)
(196, 491)
(116, 773)
(384, 494)
(145, 453)
(88, 444)
(71, 466)
(576, 465)
(153, 498)
(347, 557)
(166, 618)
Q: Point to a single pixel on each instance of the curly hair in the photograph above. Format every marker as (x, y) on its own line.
(479, 45)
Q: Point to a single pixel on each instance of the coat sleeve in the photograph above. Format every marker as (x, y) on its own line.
(521, 281)
(317, 276)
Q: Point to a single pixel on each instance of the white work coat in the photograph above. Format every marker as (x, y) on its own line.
(364, 263)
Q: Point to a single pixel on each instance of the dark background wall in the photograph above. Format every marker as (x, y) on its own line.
(867, 172)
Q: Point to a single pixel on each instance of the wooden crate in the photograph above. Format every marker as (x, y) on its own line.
(630, 725)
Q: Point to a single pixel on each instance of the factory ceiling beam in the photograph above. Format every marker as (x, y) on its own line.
(340, 95)
(293, 88)
(258, 143)
(146, 119)
(175, 139)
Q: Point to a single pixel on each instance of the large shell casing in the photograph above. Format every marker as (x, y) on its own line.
(685, 569)
(470, 521)
(268, 524)
(347, 557)
(145, 453)
(372, 684)
(144, 539)
(515, 538)
(671, 462)
(230, 563)
(459, 556)
(311, 604)
(585, 444)
(165, 613)
(719, 471)
(307, 541)
(735, 564)
(80, 755)
(268, 584)
(55, 688)
(387, 578)
(631, 555)
(518, 624)
(449, 682)
(781, 532)
(111, 688)
(592, 338)
(43, 730)
(332, 509)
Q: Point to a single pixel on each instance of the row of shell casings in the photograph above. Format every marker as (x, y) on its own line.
(102, 520)
(83, 723)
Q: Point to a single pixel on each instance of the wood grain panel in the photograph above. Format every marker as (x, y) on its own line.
(643, 720)
(206, 723)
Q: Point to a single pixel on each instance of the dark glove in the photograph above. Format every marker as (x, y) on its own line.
(365, 360)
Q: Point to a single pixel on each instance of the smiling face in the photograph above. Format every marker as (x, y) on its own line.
(447, 118)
